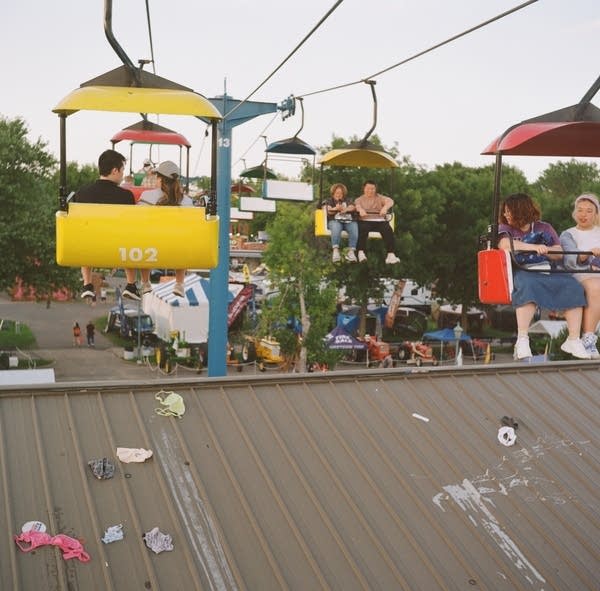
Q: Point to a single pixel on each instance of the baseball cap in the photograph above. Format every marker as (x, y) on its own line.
(168, 169)
(591, 198)
(147, 162)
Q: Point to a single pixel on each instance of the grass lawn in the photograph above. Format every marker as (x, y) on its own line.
(16, 334)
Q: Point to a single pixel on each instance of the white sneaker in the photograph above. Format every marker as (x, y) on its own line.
(522, 349)
(335, 257)
(391, 259)
(575, 347)
(362, 257)
(589, 341)
(351, 256)
(146, 287)
(178, 290)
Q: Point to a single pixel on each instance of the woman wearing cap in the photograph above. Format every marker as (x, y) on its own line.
(520, 221)
(169, 193)
(585, 236)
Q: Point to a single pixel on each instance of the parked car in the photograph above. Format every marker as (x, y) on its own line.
(114, 323)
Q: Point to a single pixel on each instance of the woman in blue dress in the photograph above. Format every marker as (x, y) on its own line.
(520, 219)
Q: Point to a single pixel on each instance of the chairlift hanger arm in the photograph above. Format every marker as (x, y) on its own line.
(116, 46)
(371, 83)
(587, 97)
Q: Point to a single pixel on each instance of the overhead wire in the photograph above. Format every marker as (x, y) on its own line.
(261, 134)
(306, 37)
(421, 53)
(380, 72)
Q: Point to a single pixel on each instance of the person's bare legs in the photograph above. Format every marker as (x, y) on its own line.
(573, 317)
(591, 313)
(524, 315)
(145, 273)
(179, 288)
(130, 275)
(591, 316)
(86, 275)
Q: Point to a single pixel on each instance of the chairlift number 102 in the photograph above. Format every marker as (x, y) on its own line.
(136, 254)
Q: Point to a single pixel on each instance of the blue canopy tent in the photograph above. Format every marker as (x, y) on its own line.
(447, 335)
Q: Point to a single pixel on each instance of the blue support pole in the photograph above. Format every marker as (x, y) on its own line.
(219, 276)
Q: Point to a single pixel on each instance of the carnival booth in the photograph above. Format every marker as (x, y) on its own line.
(188, 315)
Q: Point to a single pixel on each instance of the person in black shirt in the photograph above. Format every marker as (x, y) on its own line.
(111, 166)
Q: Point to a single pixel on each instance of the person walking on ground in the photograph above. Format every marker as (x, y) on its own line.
(76, 335)
(90, 331)
(111, 166)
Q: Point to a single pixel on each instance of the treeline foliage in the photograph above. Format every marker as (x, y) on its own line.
(558, 186)
(28, 199)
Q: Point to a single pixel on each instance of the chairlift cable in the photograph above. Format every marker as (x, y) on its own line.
(261, 134)
(306, 37)
(204, 136)
(421, 53)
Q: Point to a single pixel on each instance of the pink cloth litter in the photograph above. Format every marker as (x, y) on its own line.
(70, 547)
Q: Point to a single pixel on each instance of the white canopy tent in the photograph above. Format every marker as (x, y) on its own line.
(551, 328)
(187, 315)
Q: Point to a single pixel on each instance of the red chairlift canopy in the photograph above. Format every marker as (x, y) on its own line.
(146, 132)
(241, 188)
(565, 132)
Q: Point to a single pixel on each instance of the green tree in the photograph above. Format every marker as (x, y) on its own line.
(28, 201)
(78, 175)
(296, 270)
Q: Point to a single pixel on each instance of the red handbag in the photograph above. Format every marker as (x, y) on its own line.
(495, 276)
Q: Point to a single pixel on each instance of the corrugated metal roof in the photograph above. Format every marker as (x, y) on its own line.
(381, 480)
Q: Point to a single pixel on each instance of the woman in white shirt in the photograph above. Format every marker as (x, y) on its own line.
(585, 236)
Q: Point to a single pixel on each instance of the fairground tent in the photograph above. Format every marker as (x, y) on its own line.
(446, 335)
(338, 338)
(187, 315)
(551, 328)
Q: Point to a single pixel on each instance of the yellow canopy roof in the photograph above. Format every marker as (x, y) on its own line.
(358, 157)
(137, 100)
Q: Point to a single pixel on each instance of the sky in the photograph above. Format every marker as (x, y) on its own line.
(446, 106)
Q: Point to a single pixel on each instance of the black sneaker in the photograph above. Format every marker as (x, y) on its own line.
(88, 291)
(131, 292)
